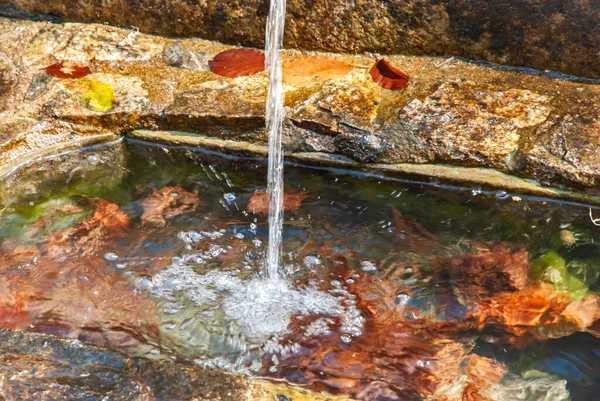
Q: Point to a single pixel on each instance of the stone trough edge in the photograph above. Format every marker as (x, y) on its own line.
(450, 174)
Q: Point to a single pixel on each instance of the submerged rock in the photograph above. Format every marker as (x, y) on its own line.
(40, 367)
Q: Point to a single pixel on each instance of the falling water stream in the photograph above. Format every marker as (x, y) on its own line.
(274, 117)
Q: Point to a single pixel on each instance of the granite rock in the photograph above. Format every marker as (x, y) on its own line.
(452, 112)
(559, 35)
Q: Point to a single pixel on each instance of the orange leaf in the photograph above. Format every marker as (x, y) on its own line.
(164, 204)
(91, 235)
(259, 202)
(585, 312)
(313, 70)
(67, 69)
(388, 76)
(110, 216)
(238, 62)
(13, 314)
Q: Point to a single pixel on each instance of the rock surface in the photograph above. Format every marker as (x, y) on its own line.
(560, 35)
(452, 112)
(40, 367)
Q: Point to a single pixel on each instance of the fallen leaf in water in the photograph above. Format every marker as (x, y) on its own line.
(14, 254)
(90, 236)
(411, 232)
(584, 313)
(537, 305)
(12, 305)
(110, 216)
(312, 70)
(259, 202)
(534, 313)
(165, 203)
(387, 76)
(238, 62)
(497, 268)
(457, 375)
(68, 70)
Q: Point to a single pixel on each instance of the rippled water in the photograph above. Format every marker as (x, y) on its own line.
(399, 290)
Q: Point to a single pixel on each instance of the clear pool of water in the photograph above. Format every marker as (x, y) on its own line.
(393, 290)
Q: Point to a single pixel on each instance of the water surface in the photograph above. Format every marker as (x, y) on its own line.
(400, 290)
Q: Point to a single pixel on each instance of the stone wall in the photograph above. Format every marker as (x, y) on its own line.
(562, 35)
(451, 113)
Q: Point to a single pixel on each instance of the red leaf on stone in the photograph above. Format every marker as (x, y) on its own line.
(388, 76)
(238, 62)
(67, 69)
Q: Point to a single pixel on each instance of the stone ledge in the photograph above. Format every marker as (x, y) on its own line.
(560, 35)
(441, 174)
(451, 113)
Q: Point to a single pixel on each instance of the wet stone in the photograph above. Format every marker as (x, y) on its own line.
(464, 123)
(452, 112)
(567, 151)
(178, 55)
(40, 367)
(8, 79)
(347, 104)
(555, 35)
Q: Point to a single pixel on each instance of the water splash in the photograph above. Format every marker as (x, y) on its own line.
(274, 118)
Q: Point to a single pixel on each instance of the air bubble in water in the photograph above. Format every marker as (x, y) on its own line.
(143, 284)
(311, 261)
(501, 195)
(403, 298)
(368, 266)
(229, 197)
(346, 338)
(111, 256)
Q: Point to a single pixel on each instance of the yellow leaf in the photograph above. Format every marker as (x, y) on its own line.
(312, 70)
(97, 95)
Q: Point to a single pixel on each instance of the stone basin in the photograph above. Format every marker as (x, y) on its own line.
(458, 121)
(454, 113)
